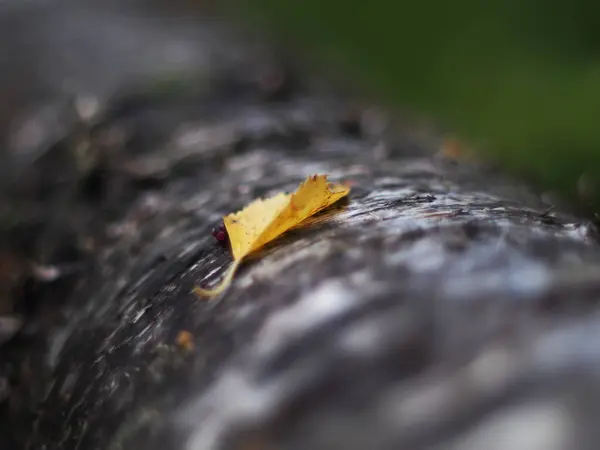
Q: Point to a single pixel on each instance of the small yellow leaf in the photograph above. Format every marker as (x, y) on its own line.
(245, 227)
(264, 220)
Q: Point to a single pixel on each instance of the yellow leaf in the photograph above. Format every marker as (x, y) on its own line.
(264, 220)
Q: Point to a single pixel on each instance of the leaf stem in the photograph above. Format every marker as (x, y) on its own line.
(223, 284)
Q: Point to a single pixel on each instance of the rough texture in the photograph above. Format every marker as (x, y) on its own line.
(439, 307)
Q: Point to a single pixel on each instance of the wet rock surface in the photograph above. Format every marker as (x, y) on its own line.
(440, 306)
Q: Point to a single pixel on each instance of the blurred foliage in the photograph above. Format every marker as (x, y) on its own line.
(518, 78)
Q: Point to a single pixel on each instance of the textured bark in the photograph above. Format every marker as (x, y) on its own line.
(439, 307)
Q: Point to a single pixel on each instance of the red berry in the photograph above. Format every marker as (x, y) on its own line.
(220, 233)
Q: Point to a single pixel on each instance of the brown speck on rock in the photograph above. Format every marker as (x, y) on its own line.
(185, 340)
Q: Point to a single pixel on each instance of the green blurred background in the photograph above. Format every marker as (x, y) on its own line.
(519, 80)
